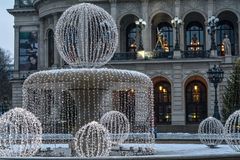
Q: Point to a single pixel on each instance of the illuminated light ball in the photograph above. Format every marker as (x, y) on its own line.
(86, 36)
(232, 131)
(20, 133)
(92, 140)
(210, 132)
(117, 125)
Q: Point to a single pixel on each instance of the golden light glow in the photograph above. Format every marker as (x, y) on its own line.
(141, 54)
(164, 90)
(160, 88)
(194, 115)
(195, 87)
(167, 116)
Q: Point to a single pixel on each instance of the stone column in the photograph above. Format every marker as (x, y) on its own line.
(146, 39)
(16, 4)
(210, 8)
(56, 54)
(181, 29)
(178, 116)
(177, 53)
(16, 48)
(182, 37)
(41, 54)
(113, 4)
(119, 38)
(210, 13)
(238, 39)
(207, 37)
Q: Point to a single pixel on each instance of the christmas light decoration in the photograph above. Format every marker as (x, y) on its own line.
(20, 133)
(92, 140)
(118, 126)
(210, 132)
(232, 131)
(66, 99)
(86, 36)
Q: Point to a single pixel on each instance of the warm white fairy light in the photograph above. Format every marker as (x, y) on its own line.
(232, 131)
(210, 132)
(66, 99)
(92, 140)
(86, 36)
(20, 133)
(117, 125)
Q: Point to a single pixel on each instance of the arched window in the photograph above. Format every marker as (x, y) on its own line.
(194, 37)
(162, 102)
(196, 102)
(166, 30)
(131, 42)
(225, 27)
(50, 48)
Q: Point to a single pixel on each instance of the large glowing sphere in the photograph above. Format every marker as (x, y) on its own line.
(117, 125)
(232, 131)
(92, 140)
(210, 132)
(20, 133)
(86, 36)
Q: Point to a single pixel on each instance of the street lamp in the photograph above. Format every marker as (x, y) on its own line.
(176, 22)
(212, 25)
(141, 25)
(215, 76)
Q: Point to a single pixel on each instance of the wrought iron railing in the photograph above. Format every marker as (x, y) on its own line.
(159, 55)
(195, 54)
(125, 56)
(136, 56)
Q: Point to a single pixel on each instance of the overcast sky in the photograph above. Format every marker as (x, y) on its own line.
(6, 26)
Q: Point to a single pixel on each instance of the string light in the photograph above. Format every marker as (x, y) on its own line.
(232, 131)
(64, 100)
(80, 42)
(210, 132)
(21, 133)
(118, 126)
(92, 140)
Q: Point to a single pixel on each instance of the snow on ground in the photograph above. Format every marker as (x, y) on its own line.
(192, 150)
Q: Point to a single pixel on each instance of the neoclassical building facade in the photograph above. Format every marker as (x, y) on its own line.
(183, 94)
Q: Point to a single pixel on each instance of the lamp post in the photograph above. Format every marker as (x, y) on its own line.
(176, 22)
(141, 25)
(211, 29)
(215, 76)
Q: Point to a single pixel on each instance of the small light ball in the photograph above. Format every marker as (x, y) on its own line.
(92, 140)
(117, 125)
(210, 132)
(232, 131)
(86, 36)
(20, 133)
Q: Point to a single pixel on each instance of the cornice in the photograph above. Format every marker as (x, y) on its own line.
(21, 11)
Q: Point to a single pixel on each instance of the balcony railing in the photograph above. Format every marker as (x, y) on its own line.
(158, 55)
(196, 54)
(125, 56)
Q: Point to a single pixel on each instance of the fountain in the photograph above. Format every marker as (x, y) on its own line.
(98, 111)
(65, 100)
